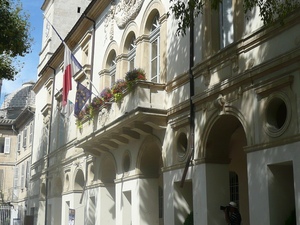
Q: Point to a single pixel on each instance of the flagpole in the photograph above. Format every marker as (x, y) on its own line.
(54, 29)
(86, 75)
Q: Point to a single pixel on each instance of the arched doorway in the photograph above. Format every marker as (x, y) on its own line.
(107, 203)
(151, 182)
(224, 146)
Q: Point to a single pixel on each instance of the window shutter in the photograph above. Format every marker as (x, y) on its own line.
(16, 179)
(7, 145)
(19, 142)
(23, 176)
(31, 133)
(24, 138)
(27, 174)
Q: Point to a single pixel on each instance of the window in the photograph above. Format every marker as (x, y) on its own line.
(112, 68)
(24, 138)
(5, 145)
(131, 53)
(154, 50)
(2, 144)
(234, 187)
(226, 23)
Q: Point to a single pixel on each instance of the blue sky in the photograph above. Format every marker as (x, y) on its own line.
(29, 70)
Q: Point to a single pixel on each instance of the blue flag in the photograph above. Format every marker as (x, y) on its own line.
(82, 95)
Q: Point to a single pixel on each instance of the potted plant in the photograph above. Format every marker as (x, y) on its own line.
(133, 76)
(118, 89)
(106, 94)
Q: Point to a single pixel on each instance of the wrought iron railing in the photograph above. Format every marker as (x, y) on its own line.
(5, 214)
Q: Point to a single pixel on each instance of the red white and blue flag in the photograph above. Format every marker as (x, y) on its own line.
(71, 67)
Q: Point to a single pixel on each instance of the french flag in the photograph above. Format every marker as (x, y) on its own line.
(71, 67)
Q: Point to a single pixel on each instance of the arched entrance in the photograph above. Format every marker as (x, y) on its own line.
(224, 147)
(151, 182)
(107, 202)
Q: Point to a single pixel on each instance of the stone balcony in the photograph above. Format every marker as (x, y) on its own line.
(140, 112)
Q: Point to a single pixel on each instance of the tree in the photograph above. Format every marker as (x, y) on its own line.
(15, 40)
(270, 10)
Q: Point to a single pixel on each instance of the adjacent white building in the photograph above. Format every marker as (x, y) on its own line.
(16, 130)
(234, 106)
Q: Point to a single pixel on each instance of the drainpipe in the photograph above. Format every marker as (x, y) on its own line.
(192, 92)
(48, 146)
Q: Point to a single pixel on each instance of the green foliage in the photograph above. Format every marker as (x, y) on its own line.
(134, 75)
(15, 40)
(270, 11)
(114, 94)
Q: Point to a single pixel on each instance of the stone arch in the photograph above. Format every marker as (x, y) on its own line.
(131, 29)
(154, 7)
(56, 186)
(150, 38)
(107, 173)
(216, 118)
(149, 164)
(91, 172)
(67, 181)
(225, 138)
(149, 160)
(79, 180)
(113, 46)
(43, 190)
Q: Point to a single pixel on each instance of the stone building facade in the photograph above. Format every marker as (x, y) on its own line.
(230, 101)
(17, 116)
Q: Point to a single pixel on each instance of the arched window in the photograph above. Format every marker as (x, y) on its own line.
(112, 67)
(154, 50)
(131, 53)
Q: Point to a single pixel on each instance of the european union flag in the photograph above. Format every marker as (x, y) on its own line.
(82, 95)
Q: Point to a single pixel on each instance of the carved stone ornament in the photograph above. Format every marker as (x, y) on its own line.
(122, 13)
(127, 10)
(103, 116)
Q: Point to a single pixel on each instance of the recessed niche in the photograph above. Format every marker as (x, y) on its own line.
(277, 115)
(126, 161)
(182, 145)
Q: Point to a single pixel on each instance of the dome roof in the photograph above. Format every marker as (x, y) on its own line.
(15, 102)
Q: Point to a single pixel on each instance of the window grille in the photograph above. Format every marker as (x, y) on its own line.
(234, 187)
